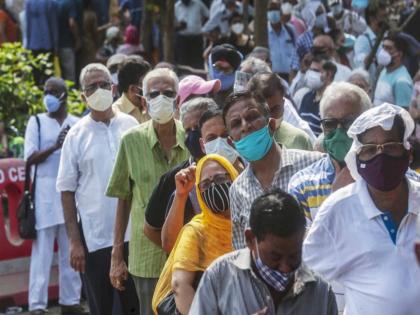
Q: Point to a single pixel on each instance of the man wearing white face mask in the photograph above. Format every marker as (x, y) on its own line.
(394, 85)
(86, 164)
(146, 152)
(281, 37)
(320, 74)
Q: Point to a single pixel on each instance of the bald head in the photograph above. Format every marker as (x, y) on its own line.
(323, 44)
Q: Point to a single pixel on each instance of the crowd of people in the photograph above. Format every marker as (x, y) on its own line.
(275, 180)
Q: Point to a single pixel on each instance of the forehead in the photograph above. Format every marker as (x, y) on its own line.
(378, 135)
(240, 107)
(342, 107)
(212, 123)
(388, 43)
(210, 168)
(95, 76)
(282, 245)
(160, 83)
(191, 118)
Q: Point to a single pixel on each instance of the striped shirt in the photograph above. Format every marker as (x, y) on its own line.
(140, 163)
(312, 185)
(246, 188)
(309, 111)
(304, 44)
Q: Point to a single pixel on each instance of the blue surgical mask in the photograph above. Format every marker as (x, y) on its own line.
(275, 278)
(226, 80)
(256, 145)
(321, 21)
(52, 103)
(274, 16)
(359, 5)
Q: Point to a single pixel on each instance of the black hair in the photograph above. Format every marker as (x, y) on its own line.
(265, 85)
(399, 42)
(330, 67)
(207, 115)
(235, 97)
(130, 73)
(372, 10)
(277, 213)
(320, 58)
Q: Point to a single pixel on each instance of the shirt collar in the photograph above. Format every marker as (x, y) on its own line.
(303, 274)
(153, 139)
(125, 105)
(369, 207)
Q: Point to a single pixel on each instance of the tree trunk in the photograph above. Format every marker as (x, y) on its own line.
(260, 23)
(245, 4)
(146, 26)
(168, 31)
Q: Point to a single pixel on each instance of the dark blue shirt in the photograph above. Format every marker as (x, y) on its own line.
(41, 24)
(309, 111)
(67, 9)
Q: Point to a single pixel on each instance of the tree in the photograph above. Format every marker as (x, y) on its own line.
(260, 26)
(168, 28)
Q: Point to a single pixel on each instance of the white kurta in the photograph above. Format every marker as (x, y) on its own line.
(349, 243)
(48, 209)
(89, 153)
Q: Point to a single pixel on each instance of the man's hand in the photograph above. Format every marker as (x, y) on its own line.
(264, 311)
(77, 256)
(185, 180)
(118, 273)
(60, 139)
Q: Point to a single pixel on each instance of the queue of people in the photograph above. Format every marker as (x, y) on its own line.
(282, 182)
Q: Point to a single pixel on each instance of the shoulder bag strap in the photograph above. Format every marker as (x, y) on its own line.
(38, 122)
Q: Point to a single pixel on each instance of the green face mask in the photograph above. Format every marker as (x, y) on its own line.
(337, 144)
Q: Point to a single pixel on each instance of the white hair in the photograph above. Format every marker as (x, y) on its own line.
(159, 73)
(340, 90)
(360, 72)
(202, 104)
(93, 67)
(255, 65)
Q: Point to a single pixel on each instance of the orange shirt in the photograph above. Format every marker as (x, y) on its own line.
(10, 26)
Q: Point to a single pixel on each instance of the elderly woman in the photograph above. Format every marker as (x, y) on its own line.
(201, 241)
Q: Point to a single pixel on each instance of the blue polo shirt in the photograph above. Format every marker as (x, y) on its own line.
(282, 47)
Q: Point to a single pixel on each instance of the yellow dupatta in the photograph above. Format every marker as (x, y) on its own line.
(206, 237)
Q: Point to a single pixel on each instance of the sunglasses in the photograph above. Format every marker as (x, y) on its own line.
(331, 124)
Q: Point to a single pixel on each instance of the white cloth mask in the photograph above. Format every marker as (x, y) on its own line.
(313, 79)
(237, 28)
(101, 100)
(384, 58)
(286, 8)
(161, 108)
(221, 146)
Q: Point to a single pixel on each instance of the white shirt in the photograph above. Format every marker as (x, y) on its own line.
(48, 209)
(89, 153)
(349, 243)
(193, 15)
(343, 72)
(291, 116)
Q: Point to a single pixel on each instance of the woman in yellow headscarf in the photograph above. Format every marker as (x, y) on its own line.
(206, 237)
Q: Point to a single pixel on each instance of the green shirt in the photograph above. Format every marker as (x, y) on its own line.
(292, 137)
(140, 163)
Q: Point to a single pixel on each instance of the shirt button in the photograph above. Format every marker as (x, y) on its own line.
(385, 218)
(392, 231)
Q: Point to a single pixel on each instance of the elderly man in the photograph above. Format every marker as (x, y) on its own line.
(44, 137)
(270, 166)
(160, 199)
(146, 153)
(267, 88)
(270, 268)
(340, 105)
(88, 156)
(364, 233)
(130, 80)
(361, 78)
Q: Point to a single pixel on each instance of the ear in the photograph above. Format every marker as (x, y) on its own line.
(177, 101)
(230, 142)
(114, 90)
(411, 155)
(250, 239)
(202, 145)
(84, 98)
(144, 103)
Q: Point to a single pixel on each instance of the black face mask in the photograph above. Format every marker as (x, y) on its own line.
(192, 142)
(216, 197)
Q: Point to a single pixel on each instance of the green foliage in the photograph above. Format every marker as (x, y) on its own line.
(20, 97)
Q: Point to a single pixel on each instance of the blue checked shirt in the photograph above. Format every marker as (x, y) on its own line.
(304, 44)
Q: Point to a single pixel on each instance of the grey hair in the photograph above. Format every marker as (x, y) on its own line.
(159, 73)
(197, 104)
(255, 65)
(338, 90)
(361, 73)
(93, 67)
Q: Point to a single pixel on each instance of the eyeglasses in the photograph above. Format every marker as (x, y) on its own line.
(330, 124)
(369, 151)
(217, 179)
(167, 93)
(90, 89)
(52, 92)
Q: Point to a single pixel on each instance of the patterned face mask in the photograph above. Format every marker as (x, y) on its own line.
(276, 279)
(216, 197)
